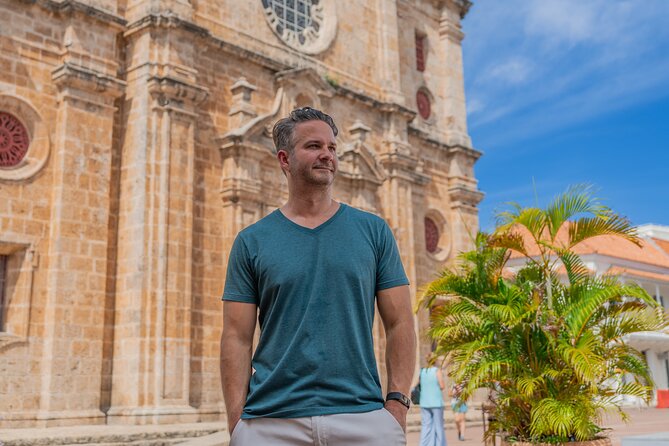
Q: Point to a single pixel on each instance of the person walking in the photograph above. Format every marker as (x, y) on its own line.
(311, 273)
(459, 407)
(431, 407)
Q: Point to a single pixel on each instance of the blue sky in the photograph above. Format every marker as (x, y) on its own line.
(561, 92)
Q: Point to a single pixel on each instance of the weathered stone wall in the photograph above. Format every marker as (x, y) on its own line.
(150, 151)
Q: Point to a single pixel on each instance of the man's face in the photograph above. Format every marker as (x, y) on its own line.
(314, 157)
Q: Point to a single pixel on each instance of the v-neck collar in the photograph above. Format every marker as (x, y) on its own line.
(318, 228)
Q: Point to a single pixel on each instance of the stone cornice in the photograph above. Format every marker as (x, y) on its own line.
(466, 151)
(84, 79)
(171, 89)
(403, 166)
(461, 5)
(172, 21)
(388, 107)
(461, 195)
(441, 145)
(165, 20)
(71, 6)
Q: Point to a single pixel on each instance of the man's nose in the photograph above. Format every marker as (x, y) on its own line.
(326, 153)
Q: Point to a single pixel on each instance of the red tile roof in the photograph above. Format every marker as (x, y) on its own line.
(612, 246)
(619, 270)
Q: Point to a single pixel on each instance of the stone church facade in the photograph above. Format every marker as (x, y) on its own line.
(135, 144)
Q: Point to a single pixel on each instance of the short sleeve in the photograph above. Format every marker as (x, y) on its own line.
(389, 270)
(240, 280)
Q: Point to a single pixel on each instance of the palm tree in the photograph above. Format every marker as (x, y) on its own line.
(547, 340)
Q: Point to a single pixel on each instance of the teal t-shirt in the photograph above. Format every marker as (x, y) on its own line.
(315, 290)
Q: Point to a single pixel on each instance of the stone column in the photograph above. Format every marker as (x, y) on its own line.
(77, 253)
(151, 364)
(464, 196)
(454, 113)
(389, 51)
(401, 191)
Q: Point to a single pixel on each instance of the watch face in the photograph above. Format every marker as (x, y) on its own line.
(399, 397)
(306, 25)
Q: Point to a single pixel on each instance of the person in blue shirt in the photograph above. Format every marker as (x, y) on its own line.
(459, 407)
(431, 407)
(311, 273)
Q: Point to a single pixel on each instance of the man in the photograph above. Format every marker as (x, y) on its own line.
(312, 271)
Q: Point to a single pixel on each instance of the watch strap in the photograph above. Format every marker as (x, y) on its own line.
(398, 396)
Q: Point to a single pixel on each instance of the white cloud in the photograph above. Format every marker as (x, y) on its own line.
(535, 66)
(562, 20)
(475, 105)
(513, 71)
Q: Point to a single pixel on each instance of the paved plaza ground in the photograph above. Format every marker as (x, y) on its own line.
(642, 421)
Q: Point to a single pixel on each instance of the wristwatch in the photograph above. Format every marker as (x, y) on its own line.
(402, 398)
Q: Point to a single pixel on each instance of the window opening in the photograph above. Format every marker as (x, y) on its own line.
(420, 52)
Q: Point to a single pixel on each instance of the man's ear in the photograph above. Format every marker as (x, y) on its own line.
(283, 157)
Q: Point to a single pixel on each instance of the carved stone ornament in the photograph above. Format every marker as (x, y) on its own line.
(24, 139)
(308, 26)
(423, 103)
(14, 140)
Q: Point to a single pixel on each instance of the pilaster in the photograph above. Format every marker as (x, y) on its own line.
(152, 342)
(453, 85)
(389, 51)
(77, 253)
(464, 196)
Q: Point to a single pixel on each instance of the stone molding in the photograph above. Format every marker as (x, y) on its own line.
(70, 78)
(399, 165)
(177, 95)
(69, 7)
(242, 108)
(448, 146)
(358, 162)
(40, 142)
(326, 11)
(462, 196)
(166, 20)
(18, 317)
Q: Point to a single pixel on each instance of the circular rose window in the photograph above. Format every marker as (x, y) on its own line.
(306, 25)
(431, 236)
(14, 140)
(423, 102)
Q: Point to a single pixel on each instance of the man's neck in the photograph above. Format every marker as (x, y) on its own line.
(311, 209)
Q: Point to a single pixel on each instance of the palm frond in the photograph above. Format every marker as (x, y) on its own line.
(587, 228)
(576, 200)
(532, 219)
(576, 270)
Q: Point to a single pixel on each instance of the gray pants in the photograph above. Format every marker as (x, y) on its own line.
(376, 428)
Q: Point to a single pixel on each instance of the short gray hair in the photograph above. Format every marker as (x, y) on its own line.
(284, 129)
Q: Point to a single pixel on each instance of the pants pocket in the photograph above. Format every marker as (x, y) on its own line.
(235, 432)
(394, 421)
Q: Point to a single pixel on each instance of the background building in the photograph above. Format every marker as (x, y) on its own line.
(648, 266)
(134, 145)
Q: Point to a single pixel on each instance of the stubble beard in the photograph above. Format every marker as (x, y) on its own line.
(310, 175)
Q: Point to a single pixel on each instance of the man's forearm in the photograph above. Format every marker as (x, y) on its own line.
(400, 355)
(235, 376)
